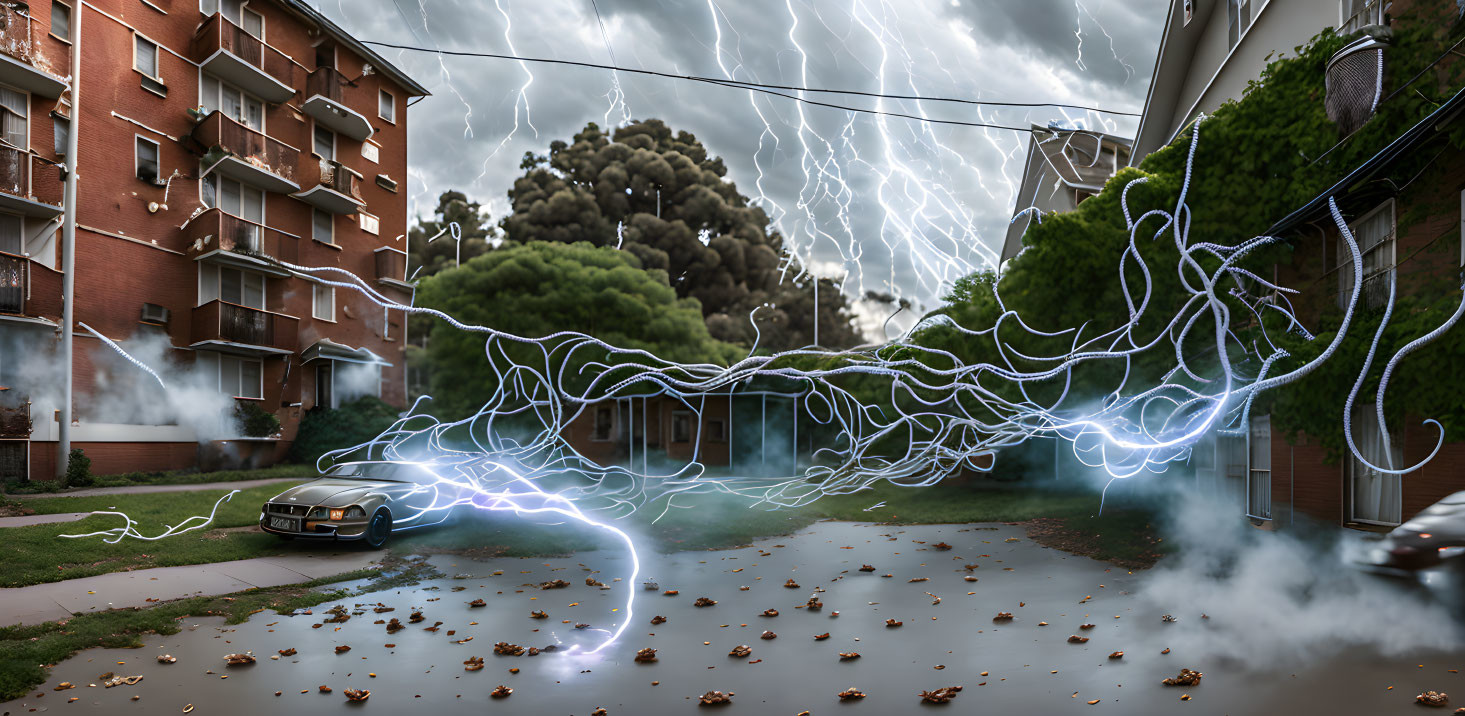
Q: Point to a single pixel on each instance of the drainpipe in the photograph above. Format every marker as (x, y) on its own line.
(68, 246)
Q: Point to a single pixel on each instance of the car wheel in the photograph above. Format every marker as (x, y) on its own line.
(378, 529)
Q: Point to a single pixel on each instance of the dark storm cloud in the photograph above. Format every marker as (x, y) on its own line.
(472, 132)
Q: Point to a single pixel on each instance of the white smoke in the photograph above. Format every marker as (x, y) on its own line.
(122, 393)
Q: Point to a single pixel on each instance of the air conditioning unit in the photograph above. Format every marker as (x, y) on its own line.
(153, 313)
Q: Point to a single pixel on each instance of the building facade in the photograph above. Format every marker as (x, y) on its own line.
(1064, 167)
(217, 139)
(1210, 51)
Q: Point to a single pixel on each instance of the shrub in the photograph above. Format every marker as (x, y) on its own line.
(254, 421)
(325, 429)
(78, 469)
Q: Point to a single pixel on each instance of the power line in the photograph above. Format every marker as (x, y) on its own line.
(771, 88)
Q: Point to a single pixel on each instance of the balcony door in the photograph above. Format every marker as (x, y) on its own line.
(14, 109)
(216, 95)
(230, 285)
(237, 199)
(233, 10)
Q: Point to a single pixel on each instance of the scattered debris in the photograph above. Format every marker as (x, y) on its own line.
(476, 603)
(1003, 617)
(671, 592)
(501, 692)
(767, 635)
(821, 637)
(814, 604)
(867, 568)
(851, 693)
(848, 655)
(651, 586)
(918, 579)
(1086, 626)
(538, 614)
(704, 602)
(324, 689)
(940, 546)
(791, 584)
(506, 649)
(741, 650)
(167, 659)
(356, 694)
(1169, 618)
(239, 659)
(658, 619)
(1432, 698)
(342, 649)
(646, 656)
(554, 584)
(1186, 678)
(893, 623)
(1076, 639)
(715, 698)
(770, 612)
(416, 617)
(940, 696)
(474, 663)
(1117, 655)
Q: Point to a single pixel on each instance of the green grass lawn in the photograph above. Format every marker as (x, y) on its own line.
(38, 554)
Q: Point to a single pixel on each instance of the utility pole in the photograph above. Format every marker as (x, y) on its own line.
(816, 308)
(68, 246)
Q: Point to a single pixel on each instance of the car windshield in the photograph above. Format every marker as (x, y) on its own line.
(388, 471)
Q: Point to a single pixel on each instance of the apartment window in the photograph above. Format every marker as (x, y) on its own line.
(12, 240)
(681, 426)
(604, 429)
(1374, 234)
(323, 302)
(323, 226)
(325, 56)
(61, 20)
(146, 159)
(241, 377)
(370, 224)
(233, 10)
(1239, 18)
(717, 431)
(1259, 468)
(216, 95)
(13, 112)
(325, 143)
(232, 197)
(386, 106)
(370, 152)
(324, 395)
(230, 285)
(60, 129)
(145, 56)
(1375, 496)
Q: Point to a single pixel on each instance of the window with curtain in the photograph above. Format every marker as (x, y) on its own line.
(1376, 496)
(231, 285)
(61, 20)
(215, 94)
(1374, 234)
(325, 143)
(145, 56)
(13, 113)
(323, 302)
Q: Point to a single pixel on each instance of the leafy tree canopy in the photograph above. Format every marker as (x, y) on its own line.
(429, 257)
(677, 213)
(537, 289)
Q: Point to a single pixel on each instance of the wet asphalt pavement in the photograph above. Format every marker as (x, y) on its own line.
(1017, 667)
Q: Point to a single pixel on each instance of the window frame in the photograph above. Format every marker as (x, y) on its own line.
(137, 142)
(689, 434)
(25, 120)
(610, 432)
(70, 15)
(317, 127)
(720, 434)
(381, 94)
(207, 267)
(1233, 20)
(238, 362)
(1254, 501)
(157, 65)
(316, 290)
(329, 240)
(1391, 244)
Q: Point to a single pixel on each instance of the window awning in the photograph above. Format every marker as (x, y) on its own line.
(326, 349)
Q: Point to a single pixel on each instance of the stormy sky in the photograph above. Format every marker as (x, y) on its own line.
(893, 205)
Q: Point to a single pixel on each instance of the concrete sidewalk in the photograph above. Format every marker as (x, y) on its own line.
(60, 600)
(143, 489)
(28, 520)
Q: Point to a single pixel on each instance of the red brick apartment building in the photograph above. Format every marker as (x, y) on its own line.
(214, 135)
(1210, 49)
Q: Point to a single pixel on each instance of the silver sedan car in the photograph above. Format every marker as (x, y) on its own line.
(366, 501)
(1432, 539)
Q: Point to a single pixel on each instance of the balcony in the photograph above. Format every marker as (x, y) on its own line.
(227, 239)
(226, 51)
(337, 189)
(28, 185)
(29, 292)
(12, 283)
(391, 267)
(323, 102)
(21, 61)
(245, 154)
(232, 328)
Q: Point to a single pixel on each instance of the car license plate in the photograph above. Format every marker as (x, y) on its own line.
(287, 524)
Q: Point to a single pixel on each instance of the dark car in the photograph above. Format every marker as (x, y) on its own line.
(1432, 539)
(365, 501)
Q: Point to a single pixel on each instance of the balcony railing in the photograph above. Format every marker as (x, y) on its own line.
(28, 177)
(15, 33)
(12, 283)
(216, 230)
(221, 321)
(338, 177)
(326, 82)
(337, 188)
(391, 264)
(225, 137)
(259, 68)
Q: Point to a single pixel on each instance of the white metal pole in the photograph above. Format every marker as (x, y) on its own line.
(816, 309)
(68, 247)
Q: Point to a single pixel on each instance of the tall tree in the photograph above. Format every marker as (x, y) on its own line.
(660, 197)
(453, 207)
(540, 288)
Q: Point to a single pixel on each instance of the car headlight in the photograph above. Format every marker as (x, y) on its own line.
(355, 512)
(318, 513)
